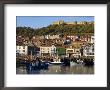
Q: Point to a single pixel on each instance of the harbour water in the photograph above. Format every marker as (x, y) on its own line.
(58, 69)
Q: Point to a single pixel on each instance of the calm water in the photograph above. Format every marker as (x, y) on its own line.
(59, 69)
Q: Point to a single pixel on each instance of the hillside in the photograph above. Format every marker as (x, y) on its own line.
(57, 29)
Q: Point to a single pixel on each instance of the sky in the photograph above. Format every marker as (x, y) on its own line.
(43, 21)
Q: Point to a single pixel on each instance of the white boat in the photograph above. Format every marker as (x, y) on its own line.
(57, 63)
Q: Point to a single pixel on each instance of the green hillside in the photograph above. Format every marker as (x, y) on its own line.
(57, 29)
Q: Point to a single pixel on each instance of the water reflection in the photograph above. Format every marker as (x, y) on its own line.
(59, 69)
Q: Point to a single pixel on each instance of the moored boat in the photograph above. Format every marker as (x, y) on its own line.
(56, 63)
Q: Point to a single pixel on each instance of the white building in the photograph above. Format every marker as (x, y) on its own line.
(92, 39)
(73, 38)
(88, 50)
(49, 37)
(47, 50)
(73, 52)
(22, 50)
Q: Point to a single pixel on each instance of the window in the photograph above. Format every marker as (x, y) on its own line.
(23, 50)
(70, 51)
(19, 47)
(23, 47)
(77, 51)
(42, 48)
(93, 49)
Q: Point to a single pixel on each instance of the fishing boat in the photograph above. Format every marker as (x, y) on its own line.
(56, 63)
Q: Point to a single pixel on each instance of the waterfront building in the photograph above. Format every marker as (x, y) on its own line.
(22, 49)
(73, 52)
(47, 50)
(92, 39)
(27, 50)
(88, 50)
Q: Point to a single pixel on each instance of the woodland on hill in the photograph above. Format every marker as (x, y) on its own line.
(55, 30)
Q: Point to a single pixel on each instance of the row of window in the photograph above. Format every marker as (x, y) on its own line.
(19, 50)
(44, 52)
(90, 53)
(20, 47)
(47, 48)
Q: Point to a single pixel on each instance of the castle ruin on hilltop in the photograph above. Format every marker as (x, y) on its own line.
(60, 22)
